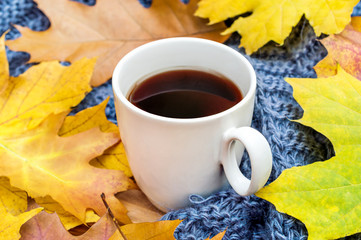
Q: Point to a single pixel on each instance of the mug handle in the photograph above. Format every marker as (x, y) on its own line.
(260, 156)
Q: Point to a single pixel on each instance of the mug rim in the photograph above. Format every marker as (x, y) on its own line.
(246, 98)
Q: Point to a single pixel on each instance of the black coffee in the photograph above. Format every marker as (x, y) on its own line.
(185, 94)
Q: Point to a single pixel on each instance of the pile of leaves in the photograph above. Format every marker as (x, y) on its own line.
(45, 155)
(54, 167)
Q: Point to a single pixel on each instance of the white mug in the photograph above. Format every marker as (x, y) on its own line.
(172, 158)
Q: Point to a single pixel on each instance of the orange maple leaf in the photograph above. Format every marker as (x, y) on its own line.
(109, 30)
(161, 230)
(42, 90)
(343, 49)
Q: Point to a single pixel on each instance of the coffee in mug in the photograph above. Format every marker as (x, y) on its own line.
(195, 144)
(185, 93)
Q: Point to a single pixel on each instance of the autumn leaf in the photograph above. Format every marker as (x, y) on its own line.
(33, 108)
(162, 230)
(274, 20)
(10, 225)
(13, 203)
(48, 226)
(109, 30)
(114, 157)
(88, 119)
(59, 167)
(67, 219)
(219, 236)
(140, 209)
(325, 196)
(13, 200)
(343, 49)
(47, 88)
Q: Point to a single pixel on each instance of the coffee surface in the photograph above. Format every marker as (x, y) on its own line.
(185, 93)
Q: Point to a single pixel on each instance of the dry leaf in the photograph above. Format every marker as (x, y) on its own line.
(67, 219)
(140, 209)
(273, 20)
(109, 30)
(48, 226)
(343, 49)
(325, 196)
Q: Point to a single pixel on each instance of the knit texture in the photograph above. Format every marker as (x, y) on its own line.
(292, 144)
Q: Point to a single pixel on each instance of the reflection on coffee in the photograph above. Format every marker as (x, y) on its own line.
(185, 93)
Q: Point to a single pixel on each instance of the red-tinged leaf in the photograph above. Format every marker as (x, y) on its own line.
(48, 226)
(140, 209)
(343, 49)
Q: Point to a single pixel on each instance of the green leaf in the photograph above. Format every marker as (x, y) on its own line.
(326, 196)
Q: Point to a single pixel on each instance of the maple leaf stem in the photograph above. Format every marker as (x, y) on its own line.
(112, 216)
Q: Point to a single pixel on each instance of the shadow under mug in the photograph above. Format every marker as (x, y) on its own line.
(172, 158)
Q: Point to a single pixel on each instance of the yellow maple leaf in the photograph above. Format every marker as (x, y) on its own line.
(10, 225)
(162, 230)
(88, 119)
(109, 30)
(13, 203)
(13, 200)
(36, 159)
(114, 157)
(59, 167)
(325, 196)
(42, 90)
(273, 20)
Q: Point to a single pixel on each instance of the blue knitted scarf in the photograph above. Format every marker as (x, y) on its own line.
(292, 144)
